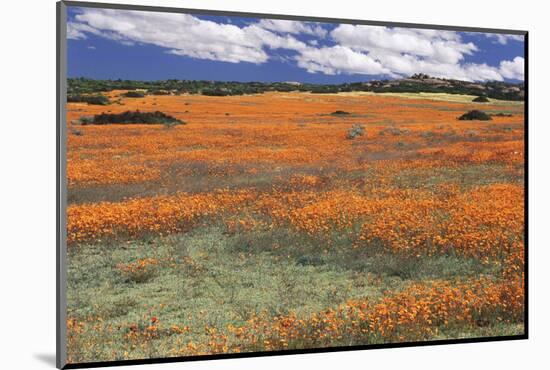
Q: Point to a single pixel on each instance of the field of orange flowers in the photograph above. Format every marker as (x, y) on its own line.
(412, 231)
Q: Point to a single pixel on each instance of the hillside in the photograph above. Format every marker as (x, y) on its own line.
(416, 83)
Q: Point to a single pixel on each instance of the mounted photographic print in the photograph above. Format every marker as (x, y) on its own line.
(235, 184)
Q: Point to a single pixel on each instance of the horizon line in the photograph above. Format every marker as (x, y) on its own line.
(511, 82)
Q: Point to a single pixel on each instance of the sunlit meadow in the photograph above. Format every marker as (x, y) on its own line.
(262, 225)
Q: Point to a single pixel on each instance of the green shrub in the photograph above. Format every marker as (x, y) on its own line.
(475, 115)
(325, 89)
(159, 92)
(134, 94)
(355, 130)
(340, 113)
(96, 99)
(86, 120)
(481, 99)
(130, 117)
(225, 92)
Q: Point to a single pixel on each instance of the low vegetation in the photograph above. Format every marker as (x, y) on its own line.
(94, 99)
(355, 131)
(326, 89)
(158, 92)
(131, 117)
(475, 115)
(340, 113)
(413, 84)
(481, 99)
(134, 94)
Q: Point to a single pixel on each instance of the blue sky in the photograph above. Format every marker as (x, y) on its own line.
(137, 45)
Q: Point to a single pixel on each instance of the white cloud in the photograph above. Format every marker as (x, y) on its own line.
(404, 51)
(77, 31)
(350, 49)
(272, 40)
(513, 69)
(338, 59)
(503, 39)
(292, 27)
(443, 46)
(182, 34)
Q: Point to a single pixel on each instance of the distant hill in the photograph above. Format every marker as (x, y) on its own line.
(424, 83)
(416, 83)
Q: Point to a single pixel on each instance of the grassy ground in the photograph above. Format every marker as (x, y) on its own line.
(208, 278)
(457, 98)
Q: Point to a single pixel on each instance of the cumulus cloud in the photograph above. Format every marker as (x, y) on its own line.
(503, 39)
(293, 27)
(405, 51)
(347, 49)
(182, 34)
(338, 59)
(77, 31)
(443, 46)
(513, 69)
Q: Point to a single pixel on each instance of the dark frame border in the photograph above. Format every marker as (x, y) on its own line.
(61, 185)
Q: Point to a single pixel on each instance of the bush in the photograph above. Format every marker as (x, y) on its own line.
(134, 94)
(340, 113)
(475, 115)
(159, 92)
(325, 90)
(97, 99)
(225, 92)
(355, 130)
(215, 92)
(86, 120)
(481, 99)
(129, 117)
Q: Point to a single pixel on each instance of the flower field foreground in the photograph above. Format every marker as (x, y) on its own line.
(420, 312)
(262, 224)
